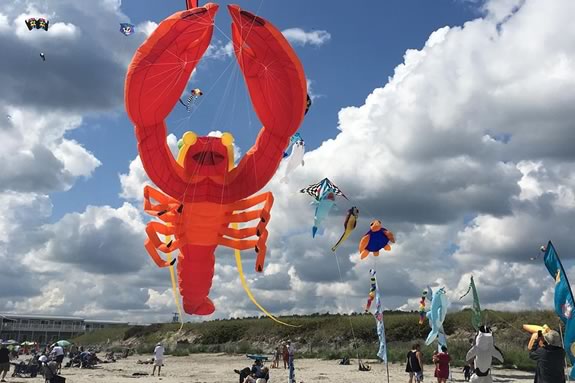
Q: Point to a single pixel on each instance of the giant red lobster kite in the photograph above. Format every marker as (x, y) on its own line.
(202, 195)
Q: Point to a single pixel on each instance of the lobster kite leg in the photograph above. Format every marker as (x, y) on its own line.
(267, 198)
(245, 216)
(154, 243)
(264, 214)
(240, 233)
(166, 203)
(236, 240)
(238, 244)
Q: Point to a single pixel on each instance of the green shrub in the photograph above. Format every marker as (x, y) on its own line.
(331, 336)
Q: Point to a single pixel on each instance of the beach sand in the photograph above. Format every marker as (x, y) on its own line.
(219, 368)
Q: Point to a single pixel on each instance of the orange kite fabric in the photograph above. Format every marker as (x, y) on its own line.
(201, 193)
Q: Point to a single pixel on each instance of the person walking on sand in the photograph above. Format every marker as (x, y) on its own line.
(158, 358)
(4, 362)
(414, 364)
(441, 361)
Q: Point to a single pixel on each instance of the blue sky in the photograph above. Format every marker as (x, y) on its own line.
(450, 121)
(366, 44)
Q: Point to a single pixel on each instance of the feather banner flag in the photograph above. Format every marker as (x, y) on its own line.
(476, 308)
(382, 352)
(564, 303)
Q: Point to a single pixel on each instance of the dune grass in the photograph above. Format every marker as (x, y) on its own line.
(329, 336)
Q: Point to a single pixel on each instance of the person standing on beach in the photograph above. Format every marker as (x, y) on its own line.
(442, 361)
(291, 352)
(550, 358)
(277, 355)
(58, 353)
(158, 358)
(414, 364)
(285, 355)
(4, 361)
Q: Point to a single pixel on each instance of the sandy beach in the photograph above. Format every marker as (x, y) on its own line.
(218, 368)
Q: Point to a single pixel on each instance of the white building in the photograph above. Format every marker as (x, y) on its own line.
(46, 329)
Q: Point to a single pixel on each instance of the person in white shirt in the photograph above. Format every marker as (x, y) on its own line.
(43, 358)
(58, 353)
(158, 358)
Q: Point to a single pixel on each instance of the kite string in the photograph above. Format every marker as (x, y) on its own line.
(231, 87)
(237, 252)
(347, 306)
(187, 119)
(232, 83)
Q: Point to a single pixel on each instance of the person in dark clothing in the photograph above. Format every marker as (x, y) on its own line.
(243, 373)
(467, 372)
(550, 358)
(4, 362)
(257, 367)
(414, 364)
(264, 374)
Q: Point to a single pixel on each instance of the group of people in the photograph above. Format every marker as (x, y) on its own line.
(260, 374)
(48, 363)
(545, 349)
(85, 359)
(283, 352)
(414, 364)
(256, 374)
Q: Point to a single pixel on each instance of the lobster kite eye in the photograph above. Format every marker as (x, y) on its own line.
(190, 138)
(227, 139)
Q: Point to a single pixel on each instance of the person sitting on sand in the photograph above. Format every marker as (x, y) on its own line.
(364, 366)
(263, 375)
(344, 361)
(243, 373)
(158, 358)
(251, 378)
(256, 367)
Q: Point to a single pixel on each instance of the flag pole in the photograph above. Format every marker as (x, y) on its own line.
(387, 370)
(565, 372)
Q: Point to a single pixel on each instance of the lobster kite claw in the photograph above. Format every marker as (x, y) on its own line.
(158, 76)
(156, 79)
(277, 85)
